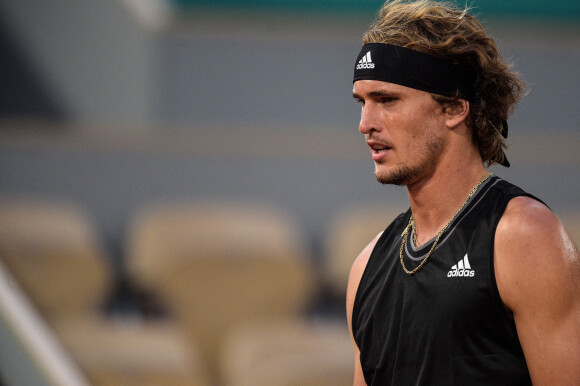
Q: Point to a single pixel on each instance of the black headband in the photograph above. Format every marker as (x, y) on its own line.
(410, 68)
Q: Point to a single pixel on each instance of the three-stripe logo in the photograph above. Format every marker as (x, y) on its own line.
(365, 62)
(461, 269)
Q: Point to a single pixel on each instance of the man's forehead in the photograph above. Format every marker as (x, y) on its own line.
(369, 86)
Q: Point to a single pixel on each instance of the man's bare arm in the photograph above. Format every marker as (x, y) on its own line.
(537, 267)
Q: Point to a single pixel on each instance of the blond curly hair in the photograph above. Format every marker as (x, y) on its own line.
(450, 33)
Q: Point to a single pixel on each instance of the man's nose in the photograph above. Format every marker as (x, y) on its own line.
(368, 121)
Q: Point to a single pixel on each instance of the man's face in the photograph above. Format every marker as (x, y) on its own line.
(404, 129)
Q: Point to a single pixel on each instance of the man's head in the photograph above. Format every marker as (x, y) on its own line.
(465, 56)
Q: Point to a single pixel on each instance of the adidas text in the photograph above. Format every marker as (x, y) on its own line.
(461, 269)
(360, 66)
(461, 273)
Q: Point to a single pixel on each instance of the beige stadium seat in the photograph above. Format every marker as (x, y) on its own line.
(52, 250)
(133, 353)
(351, 229)
(218, 263)
(290, 353)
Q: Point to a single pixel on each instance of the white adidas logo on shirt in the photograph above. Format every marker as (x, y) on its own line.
(365, 62)
(461, 269)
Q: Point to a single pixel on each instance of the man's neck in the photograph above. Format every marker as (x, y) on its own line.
(436, 199)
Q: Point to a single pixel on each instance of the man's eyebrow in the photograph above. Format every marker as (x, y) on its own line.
(375, 94)
(382, 93)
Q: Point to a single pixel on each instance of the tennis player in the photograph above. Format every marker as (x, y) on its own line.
(478, 283)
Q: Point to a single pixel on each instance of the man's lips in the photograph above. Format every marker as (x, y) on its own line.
(378, 149)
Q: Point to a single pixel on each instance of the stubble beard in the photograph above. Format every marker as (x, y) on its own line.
(401, 176)
(404, 174)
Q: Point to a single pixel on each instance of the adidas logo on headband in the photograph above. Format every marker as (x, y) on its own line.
(365, 62)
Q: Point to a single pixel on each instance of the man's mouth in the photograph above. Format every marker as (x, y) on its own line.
(378, 149)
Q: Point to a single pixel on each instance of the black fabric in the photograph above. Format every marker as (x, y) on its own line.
(446, 324)
(504, 133)
(410, 68)
(504, 130)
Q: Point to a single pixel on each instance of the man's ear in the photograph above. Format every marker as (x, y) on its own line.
(456, 113)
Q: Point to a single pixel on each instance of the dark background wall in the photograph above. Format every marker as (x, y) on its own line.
(114, 110)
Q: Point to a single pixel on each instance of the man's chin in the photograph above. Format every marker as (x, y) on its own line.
(391, 181)
(401, 176)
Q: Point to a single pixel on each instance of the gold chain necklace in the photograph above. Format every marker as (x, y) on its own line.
(441, 232)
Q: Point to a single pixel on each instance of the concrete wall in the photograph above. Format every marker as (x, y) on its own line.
(92, 55)
(253, 106)
(256, 68)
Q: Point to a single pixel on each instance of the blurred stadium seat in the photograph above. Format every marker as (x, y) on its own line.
(31, 354)
(292, 352)
(133, 353)
(349, 231)
(218, 264)
(53, 251)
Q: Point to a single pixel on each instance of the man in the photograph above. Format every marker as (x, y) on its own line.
(478, 282)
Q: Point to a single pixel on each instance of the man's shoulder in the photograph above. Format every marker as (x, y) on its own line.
(517, 206)
(525, 216)
(531, 247)
(528, 223)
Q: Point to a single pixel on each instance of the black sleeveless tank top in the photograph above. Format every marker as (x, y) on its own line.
(446, 324)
